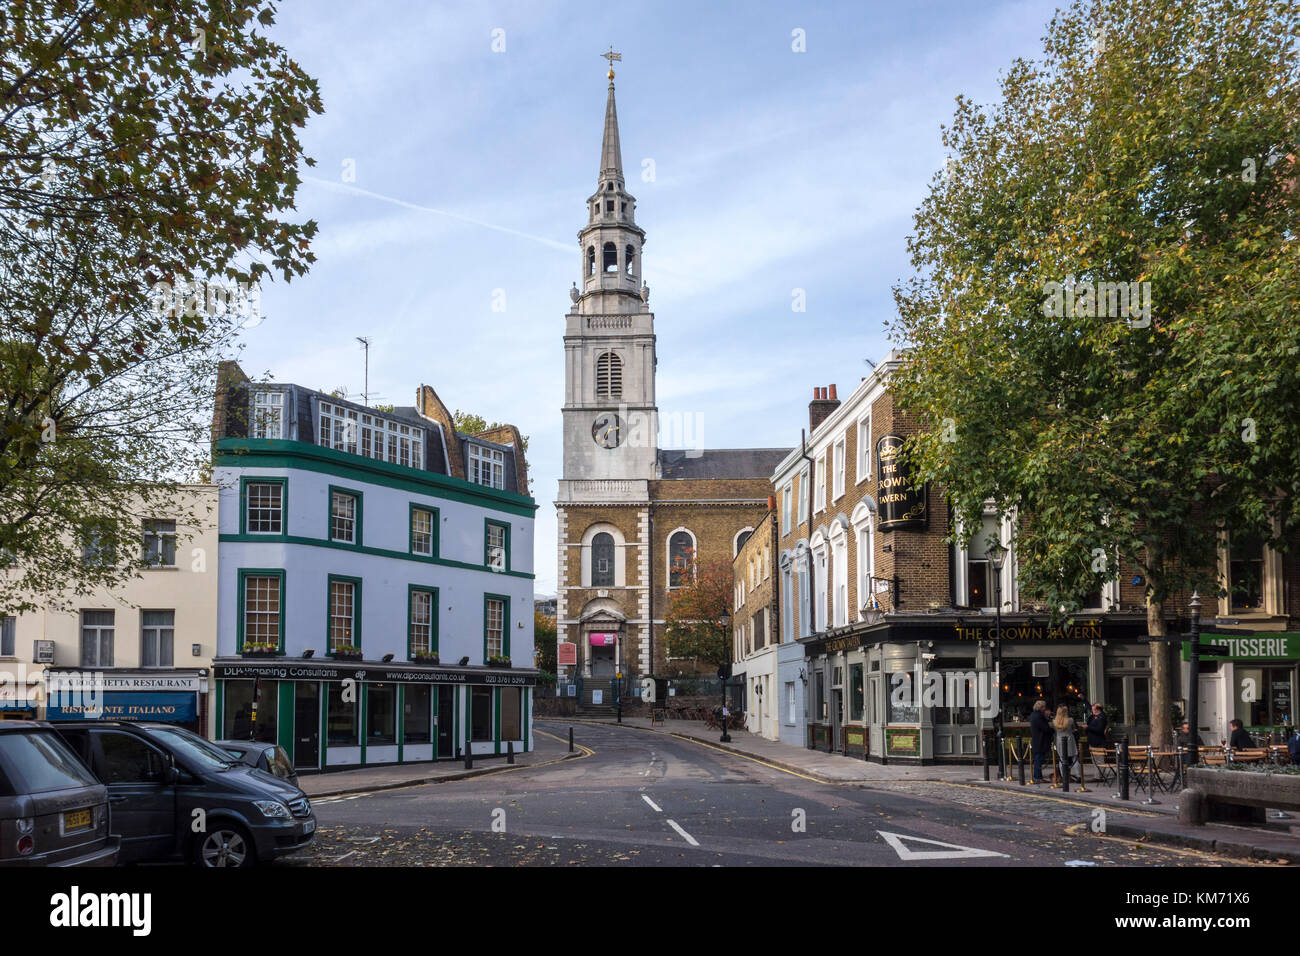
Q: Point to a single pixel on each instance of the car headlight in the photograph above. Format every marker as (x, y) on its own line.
(272, 808)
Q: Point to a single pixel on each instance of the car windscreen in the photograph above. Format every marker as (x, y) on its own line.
(193, 748)
(280, 763)
(39, 761)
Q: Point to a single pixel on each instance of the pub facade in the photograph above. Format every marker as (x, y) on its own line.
(886, 630)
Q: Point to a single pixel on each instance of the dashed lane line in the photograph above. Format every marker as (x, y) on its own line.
(653, 806)
(685, 836)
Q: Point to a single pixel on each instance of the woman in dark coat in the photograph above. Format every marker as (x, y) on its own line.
(1097, 727)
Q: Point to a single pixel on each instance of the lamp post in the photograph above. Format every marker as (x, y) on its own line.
(723, 673)
(997, 555)
(1194, 683)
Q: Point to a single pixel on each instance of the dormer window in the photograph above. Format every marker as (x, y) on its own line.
(487, 467)
(266, 416)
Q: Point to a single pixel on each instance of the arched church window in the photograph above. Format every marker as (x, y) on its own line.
(681, 556)
(602, 560)
(591, 260)
(630, 258)
(742, 538)
(609, 376)
(611, 257)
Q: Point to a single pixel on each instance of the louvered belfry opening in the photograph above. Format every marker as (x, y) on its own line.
(609, 376)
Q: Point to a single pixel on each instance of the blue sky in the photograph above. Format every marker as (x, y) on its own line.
(774, 170)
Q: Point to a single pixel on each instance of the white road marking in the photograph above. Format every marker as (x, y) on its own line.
(686, 836)
(950, 851)
(652, 804)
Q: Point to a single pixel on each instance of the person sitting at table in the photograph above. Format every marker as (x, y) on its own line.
(1239, 738)
(1185, 736)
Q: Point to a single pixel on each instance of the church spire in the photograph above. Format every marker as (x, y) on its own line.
(611, 154)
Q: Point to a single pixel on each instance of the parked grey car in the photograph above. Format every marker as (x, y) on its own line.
(53, 812)
(176, 796)
(263, 756)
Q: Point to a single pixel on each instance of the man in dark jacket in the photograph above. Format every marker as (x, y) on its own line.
(1239, 738)
(1040, 737)
(1097, 727)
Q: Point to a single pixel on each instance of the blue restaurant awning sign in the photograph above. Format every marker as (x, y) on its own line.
(126, 705)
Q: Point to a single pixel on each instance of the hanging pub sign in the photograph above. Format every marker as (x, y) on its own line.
(902, 507)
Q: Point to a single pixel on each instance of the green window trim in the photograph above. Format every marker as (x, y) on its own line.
(283, 453)
(488, 525)
(378, 552)
(434, 519)
(245, 573)
(329, 519)
(505, 623)
(356, 609)
(411, 590)
(244, 482)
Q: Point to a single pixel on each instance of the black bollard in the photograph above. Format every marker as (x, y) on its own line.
(570, 740)
(469, 756)
(1063, 747)
(1022, 766)
(510, 751)
(986, 758)
(1121, 758)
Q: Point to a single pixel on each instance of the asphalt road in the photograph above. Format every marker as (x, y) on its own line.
(644, 799)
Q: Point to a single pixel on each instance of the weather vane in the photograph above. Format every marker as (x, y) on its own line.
(612, 56)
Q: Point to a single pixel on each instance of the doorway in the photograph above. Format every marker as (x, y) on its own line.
(446, 722)
(306, 726)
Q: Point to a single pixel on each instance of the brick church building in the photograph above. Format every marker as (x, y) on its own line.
(630, 513)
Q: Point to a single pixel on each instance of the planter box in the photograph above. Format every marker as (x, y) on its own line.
(259, 653)
(425, 660)
(1211, 792)
(346, 655)
(498, 663)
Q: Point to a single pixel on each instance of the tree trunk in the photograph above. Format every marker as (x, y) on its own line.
(1161, 676)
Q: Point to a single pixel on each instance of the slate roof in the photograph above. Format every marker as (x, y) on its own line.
(720, 462)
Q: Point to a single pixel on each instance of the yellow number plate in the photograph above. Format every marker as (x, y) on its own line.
(76, 820)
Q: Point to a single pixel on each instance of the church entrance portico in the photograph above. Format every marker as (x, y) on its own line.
(604, 653)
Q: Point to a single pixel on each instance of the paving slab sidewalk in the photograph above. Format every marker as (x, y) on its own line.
(1148, 822)
(548, 749)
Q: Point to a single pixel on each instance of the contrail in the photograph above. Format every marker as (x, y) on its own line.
(563, 247)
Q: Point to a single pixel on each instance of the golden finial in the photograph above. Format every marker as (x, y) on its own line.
(611, 56)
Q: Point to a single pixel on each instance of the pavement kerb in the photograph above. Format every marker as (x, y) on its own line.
(444, 778)
(1240, 850)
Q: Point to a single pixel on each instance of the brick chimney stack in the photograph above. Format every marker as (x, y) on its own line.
(824, 402)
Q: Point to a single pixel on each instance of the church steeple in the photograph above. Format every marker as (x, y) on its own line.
(611, 154)
(611, 241)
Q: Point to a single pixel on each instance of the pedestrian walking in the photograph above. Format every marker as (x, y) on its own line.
(1067, 743)
(1040, 737)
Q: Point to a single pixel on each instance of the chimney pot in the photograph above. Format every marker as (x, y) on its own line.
(834, 398)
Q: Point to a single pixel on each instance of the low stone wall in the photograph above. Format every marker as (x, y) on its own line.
(1212, 794)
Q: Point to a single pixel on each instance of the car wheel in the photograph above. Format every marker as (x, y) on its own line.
(227, 844)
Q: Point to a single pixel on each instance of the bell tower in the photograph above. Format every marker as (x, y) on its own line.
(610, 419)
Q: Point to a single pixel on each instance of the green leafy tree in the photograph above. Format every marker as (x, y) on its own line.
(149, 157)
(544, 649)
(468, 423)
(1151, 145)
(692, 627)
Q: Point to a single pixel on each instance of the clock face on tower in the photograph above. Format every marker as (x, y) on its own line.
(607, 430)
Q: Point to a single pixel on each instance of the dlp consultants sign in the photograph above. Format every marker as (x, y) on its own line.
(902, 506)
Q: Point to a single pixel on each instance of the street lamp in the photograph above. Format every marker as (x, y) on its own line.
(997, 555)
(723, 673)
(1194, 684)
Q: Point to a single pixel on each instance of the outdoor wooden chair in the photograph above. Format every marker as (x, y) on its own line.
(1103, 761)
(1141, 768)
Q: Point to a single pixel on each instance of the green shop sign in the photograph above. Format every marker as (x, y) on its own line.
(1257, 647)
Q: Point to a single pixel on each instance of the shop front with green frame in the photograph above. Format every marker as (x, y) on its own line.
(330, 717)
(1255, 682)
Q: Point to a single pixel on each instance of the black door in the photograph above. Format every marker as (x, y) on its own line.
(446, 722)
(306, 725)
(141, 803)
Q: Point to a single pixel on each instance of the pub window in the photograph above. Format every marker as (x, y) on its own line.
(381, 714)
(979, 572)
(855, 692)
(341, 717)
(417, 702)
(602, 560)
(901, 712)
(1246, 572)
(1065, 681)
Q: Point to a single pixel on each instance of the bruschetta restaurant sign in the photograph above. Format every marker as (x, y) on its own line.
(902, 507)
